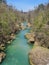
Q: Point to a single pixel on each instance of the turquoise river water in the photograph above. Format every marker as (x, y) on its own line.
(17, 52)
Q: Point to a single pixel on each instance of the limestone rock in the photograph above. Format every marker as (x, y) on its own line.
(12, 36)
(2, 56)
(31, 40)
(30, 37)
(39, 56)
(28, 25)
(2, 46)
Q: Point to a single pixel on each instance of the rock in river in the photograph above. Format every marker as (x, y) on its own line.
(30, 37)
(2, 56)
(2, 46)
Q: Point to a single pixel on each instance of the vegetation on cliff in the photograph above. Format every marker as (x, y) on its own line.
(40, 24)
(40, 27)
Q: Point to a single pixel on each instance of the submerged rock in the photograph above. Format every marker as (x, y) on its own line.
(39, 56)
(2, 56)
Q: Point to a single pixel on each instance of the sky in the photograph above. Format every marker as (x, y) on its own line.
(26, 5)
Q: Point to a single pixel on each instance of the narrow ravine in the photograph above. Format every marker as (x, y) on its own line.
(17, 52)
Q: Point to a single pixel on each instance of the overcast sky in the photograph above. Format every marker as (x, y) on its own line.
(26, 5)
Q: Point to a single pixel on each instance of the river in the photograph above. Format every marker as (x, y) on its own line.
(17, 52)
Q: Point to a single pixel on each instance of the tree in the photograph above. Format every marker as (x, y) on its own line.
(29, 17)
(3, 1)
(41, 7)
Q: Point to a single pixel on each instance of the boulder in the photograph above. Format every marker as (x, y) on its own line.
(2, 56)
(31, 41)
(23, 27)
(8, 42)
(28, 25)
(39, 56)
(37, 43)
(30, 37)
(2, 46)
(12, 36)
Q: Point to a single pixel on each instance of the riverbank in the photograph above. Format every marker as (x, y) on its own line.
(17, 52)
(7, 41)
(10, 38)
(39, 53)
(10, 25)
